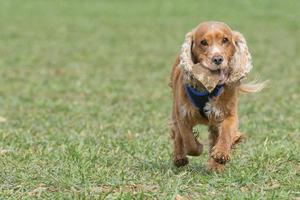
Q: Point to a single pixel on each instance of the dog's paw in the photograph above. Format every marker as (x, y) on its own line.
(214, 166)
(220, 156)
(180, 161)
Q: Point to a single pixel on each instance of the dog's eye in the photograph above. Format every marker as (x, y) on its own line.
(225, 40)
(204, 42)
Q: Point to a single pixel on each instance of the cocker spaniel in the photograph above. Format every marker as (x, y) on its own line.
(206, 81)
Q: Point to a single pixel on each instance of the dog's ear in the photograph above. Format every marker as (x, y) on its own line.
(241, 62)
(186, 60)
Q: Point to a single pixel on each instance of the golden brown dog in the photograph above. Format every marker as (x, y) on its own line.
(216, 47)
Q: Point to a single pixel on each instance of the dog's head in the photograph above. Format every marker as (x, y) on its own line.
(213, 45)
(216, 47)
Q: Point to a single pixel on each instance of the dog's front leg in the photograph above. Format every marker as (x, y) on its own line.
(214, 131)
(179, 155)
(220, 152)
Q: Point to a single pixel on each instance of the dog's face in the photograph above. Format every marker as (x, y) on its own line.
(213, 46)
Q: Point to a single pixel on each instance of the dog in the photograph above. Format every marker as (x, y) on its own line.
(214, 46)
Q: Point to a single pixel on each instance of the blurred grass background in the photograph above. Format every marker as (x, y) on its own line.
(85, 102)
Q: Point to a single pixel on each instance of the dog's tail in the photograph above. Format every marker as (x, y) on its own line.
(252, 87)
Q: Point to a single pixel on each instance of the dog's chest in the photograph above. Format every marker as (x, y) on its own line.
(204, 101)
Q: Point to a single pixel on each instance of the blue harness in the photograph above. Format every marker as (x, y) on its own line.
(199, 99)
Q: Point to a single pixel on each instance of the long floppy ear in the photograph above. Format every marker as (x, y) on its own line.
(241, 63)
(186, 61)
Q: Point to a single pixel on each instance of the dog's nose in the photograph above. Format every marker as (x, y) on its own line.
(217, 59)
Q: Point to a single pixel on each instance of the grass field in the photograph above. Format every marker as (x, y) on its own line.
(84, 101)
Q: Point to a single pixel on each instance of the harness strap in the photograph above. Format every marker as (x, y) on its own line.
(199, 99)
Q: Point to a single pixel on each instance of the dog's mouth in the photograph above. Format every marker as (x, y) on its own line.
(223, 74)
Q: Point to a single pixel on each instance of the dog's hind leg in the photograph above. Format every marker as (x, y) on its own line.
(191, 144)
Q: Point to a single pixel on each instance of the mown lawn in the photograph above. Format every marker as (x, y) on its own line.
(84, 101)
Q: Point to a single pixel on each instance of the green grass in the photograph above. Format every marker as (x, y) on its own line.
(84, 92)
